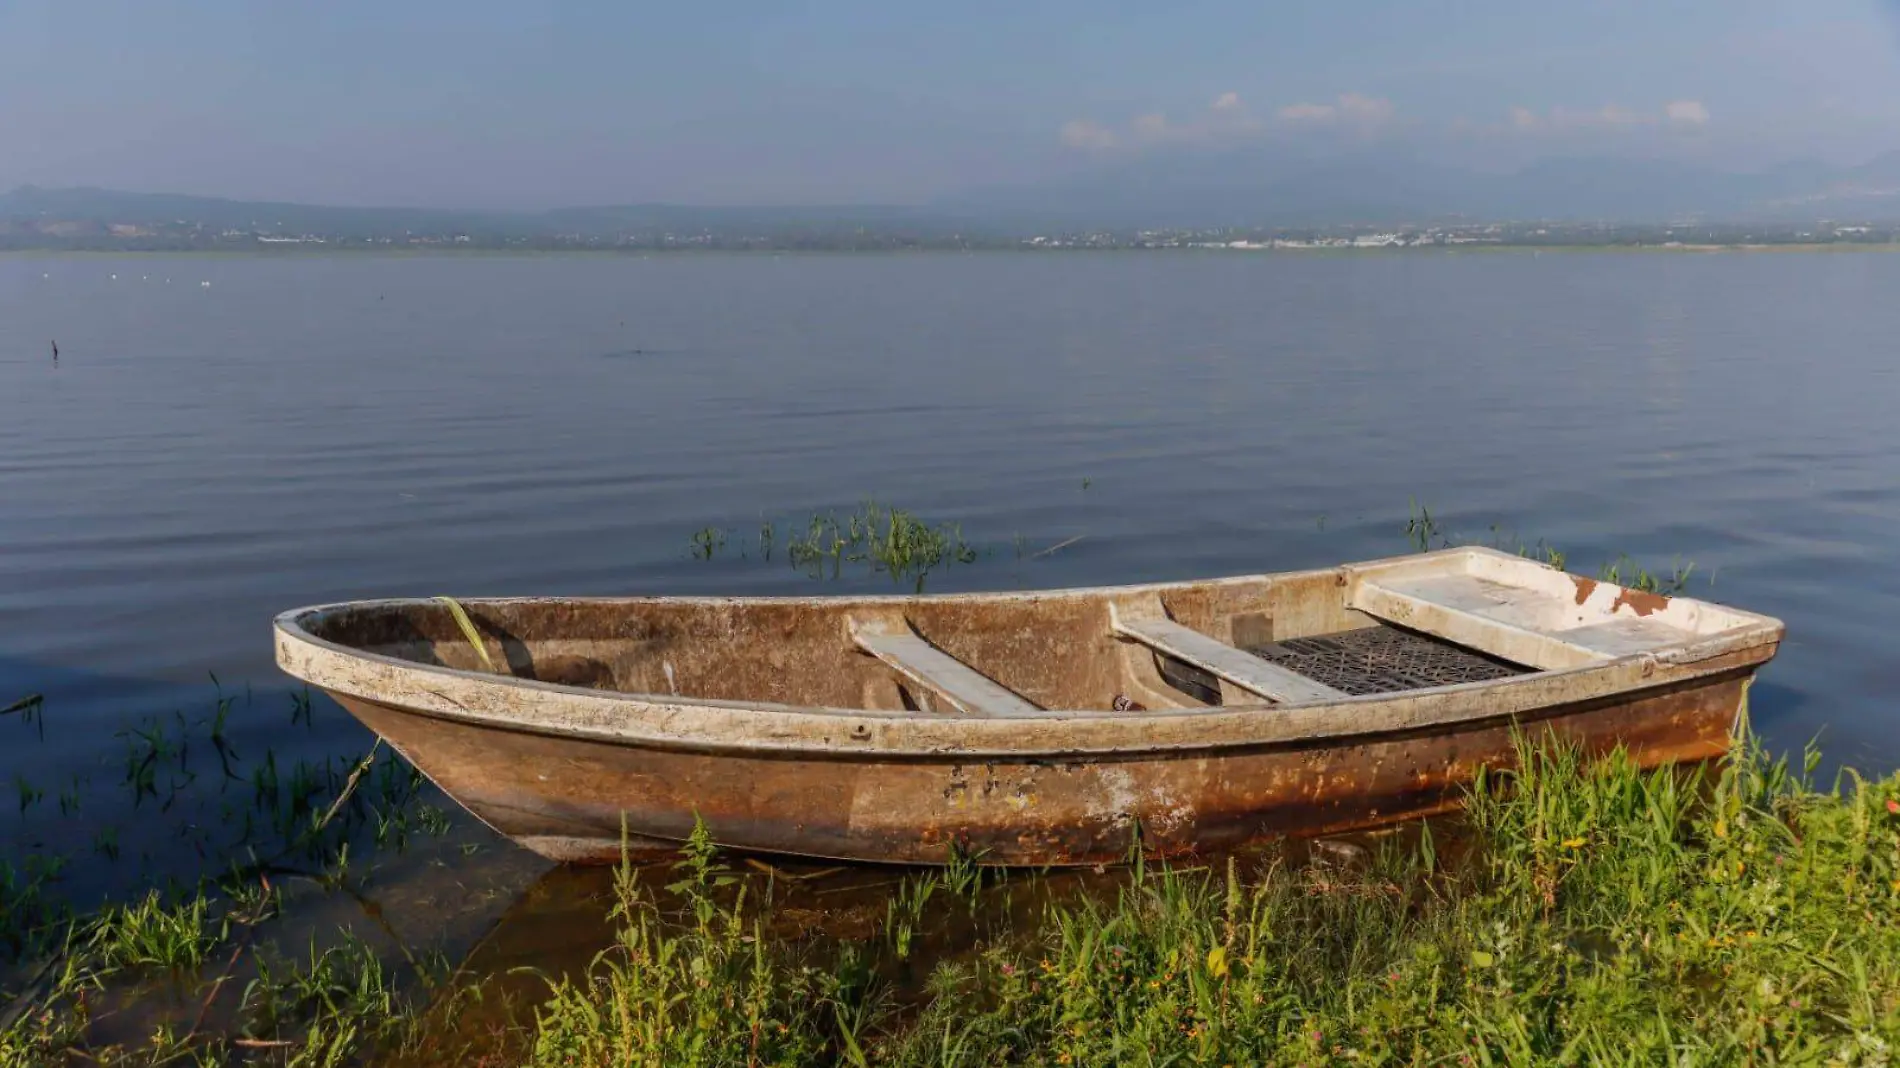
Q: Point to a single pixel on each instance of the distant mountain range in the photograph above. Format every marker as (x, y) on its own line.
(1236, 189)
(1258, 189)
(164, 210)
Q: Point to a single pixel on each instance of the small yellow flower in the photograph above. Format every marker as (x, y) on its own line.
(1573, 843)
(1217, 962)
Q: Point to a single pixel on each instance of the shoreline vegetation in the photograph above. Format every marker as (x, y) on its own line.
(1577, 911)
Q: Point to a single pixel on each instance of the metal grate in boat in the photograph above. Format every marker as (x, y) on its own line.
(1383, 660)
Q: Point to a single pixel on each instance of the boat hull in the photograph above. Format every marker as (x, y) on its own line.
(1032, 728)
(587, 800)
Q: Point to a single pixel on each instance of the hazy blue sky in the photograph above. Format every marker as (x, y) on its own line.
(492, 103)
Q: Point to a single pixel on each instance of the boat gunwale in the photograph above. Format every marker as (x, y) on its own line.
(762, 727)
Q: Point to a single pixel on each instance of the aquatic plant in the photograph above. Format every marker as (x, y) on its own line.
(150, 933)
(886, 539)
(1422, 530)
(707, 541)
(1623, 571)
(343, 984)
(904, 911)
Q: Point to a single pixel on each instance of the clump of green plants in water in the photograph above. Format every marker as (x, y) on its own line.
(1422, 530)
(151, 934)
(707, 541)
(176, 957)
(904, 911)
(875, 538)
(1625, 572)
(1599, 913)
(886, 539)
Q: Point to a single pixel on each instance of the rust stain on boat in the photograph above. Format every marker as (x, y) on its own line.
(1025, 729)
(1640, 602)
(1585, 587)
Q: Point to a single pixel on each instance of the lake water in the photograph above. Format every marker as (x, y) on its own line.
(224, 438)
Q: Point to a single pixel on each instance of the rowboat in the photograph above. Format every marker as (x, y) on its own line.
(1033, 728)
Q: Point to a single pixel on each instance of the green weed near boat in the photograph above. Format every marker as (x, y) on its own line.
(1602, 915)
(1578, 913)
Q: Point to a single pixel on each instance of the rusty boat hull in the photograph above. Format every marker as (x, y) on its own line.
(1049, 728)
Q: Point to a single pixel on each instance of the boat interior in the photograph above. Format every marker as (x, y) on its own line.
(1410, 623)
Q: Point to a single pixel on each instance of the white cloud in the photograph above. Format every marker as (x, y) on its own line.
(1308, 113)
(1088, 134)
(1351, 109)
(1153, 127)
(1365, 110)
(1677, 113)
(1689, 111)
(1226, 120)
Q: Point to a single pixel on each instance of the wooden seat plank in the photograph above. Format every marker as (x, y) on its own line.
(1235, 666)
(963, 687)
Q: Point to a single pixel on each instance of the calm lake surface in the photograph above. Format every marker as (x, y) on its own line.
(226, 438)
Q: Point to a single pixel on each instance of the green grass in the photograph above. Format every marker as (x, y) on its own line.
(1600, 915)
(1579, 912)
(149, 933)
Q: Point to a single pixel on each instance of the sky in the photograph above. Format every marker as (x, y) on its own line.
(508, 103)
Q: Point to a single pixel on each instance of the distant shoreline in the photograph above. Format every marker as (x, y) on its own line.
(936, 250)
